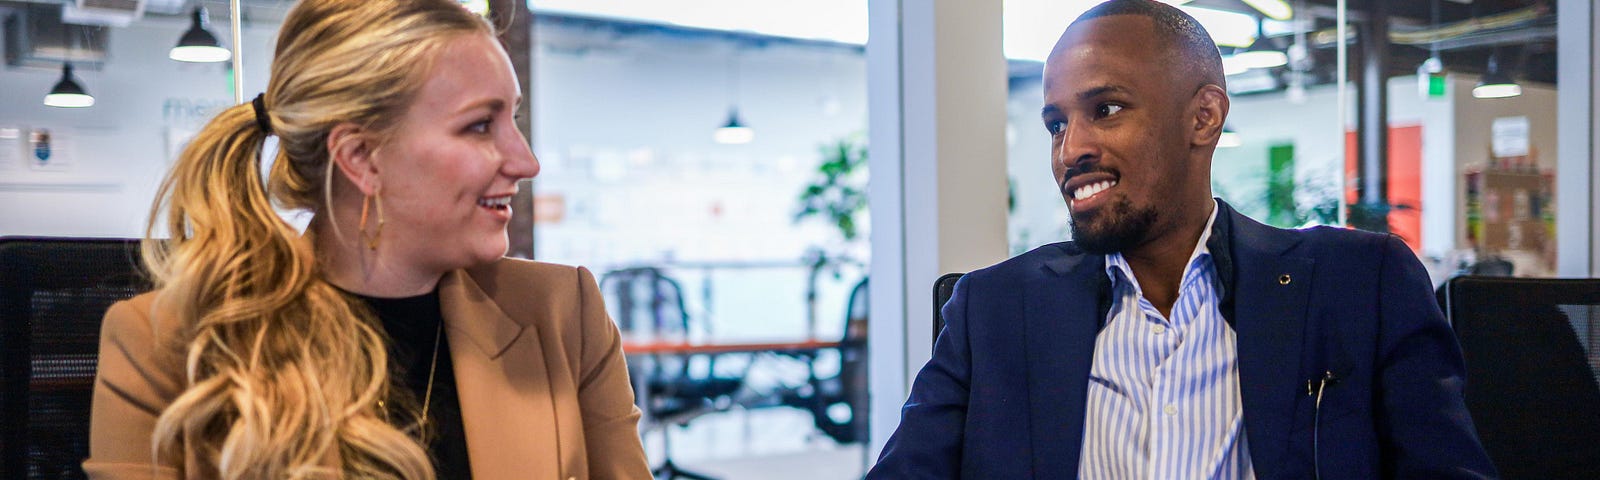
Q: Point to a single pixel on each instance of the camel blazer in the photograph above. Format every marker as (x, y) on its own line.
(539, 370)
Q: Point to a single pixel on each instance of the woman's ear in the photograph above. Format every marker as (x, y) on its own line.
(350, 147)
(1211, 112)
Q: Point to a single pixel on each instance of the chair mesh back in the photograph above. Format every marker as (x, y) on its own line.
(943, 289)
(53, 294)
(1532, 348)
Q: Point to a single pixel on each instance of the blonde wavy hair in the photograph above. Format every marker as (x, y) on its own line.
(284, 370)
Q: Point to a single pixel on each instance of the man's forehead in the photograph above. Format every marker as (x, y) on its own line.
(1105, 49)
(1129, 31)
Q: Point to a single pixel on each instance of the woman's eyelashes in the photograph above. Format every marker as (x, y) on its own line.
(486, 124)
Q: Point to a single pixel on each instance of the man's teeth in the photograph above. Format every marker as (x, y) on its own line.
(494, 202)
(1090, 190)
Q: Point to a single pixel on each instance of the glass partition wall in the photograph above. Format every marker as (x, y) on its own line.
(714, 180)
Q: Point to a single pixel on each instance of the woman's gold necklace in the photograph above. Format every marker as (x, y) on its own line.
(433, 367)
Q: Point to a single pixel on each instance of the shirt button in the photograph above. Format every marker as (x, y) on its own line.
(1171, 410)
(1158, 329)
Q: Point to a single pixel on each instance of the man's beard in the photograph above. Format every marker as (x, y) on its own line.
(1118, 227)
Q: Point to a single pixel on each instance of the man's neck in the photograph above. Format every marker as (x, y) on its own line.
(1158, 264)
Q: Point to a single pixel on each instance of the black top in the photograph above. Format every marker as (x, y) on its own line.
(412, 324)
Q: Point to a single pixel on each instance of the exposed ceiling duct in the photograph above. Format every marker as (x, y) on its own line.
(36, 37)
(110, 13)
(1535, 23)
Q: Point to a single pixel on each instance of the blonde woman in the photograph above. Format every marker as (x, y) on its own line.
(391, 339)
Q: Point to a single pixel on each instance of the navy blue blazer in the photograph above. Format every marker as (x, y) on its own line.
(1003, 395)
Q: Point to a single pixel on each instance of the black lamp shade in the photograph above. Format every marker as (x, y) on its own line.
(198, 44)
(733, 120)
(68, 93)
(197, 36)
(1496, 83)
(734, 132)
(67, 85)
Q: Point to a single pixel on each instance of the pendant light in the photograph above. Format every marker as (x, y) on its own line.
(1261, 54)
(1230, 61)
(1496, 83)
(1274, 9)
(733, 132)
(198, 44)
(68, 93)
(1431, 82)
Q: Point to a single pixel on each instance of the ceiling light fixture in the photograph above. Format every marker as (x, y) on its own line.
(1431, 82)
(733, 132)
(1274, 9)
(1230, 62)
(1261, 54)
(67, 93)
(1496, 83)
(198, 45)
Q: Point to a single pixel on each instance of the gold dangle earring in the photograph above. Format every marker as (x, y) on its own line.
(366, 205)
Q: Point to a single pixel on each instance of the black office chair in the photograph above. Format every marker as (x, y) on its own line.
(848, 387)
(1532, 362)
(943, 289)
(53, 294)
(675, 391)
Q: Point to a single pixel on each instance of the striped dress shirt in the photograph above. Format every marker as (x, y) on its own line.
(1164, 393)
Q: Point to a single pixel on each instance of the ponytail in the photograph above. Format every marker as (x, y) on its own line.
(284, 371)
(271, 345)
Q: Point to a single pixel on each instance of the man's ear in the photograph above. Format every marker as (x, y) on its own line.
(350, 148)
(1210, 113)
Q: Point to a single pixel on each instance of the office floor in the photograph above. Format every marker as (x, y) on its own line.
(764, 444)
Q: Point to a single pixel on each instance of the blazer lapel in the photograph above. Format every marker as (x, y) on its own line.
(1060, 324)
(1272, 291)
(505, 396)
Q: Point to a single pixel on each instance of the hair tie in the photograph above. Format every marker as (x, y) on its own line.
(262, 120)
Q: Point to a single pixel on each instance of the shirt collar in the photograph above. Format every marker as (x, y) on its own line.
(1115, 263)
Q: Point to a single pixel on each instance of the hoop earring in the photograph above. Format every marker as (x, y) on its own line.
(366, 205)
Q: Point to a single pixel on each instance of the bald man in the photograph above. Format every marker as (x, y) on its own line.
(1174, 338)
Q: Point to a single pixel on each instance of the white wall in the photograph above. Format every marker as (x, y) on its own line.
(116, 151)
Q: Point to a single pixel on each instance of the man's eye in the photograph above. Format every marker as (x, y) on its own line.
(481, 126)
(1055, 126)
(1107, 109)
